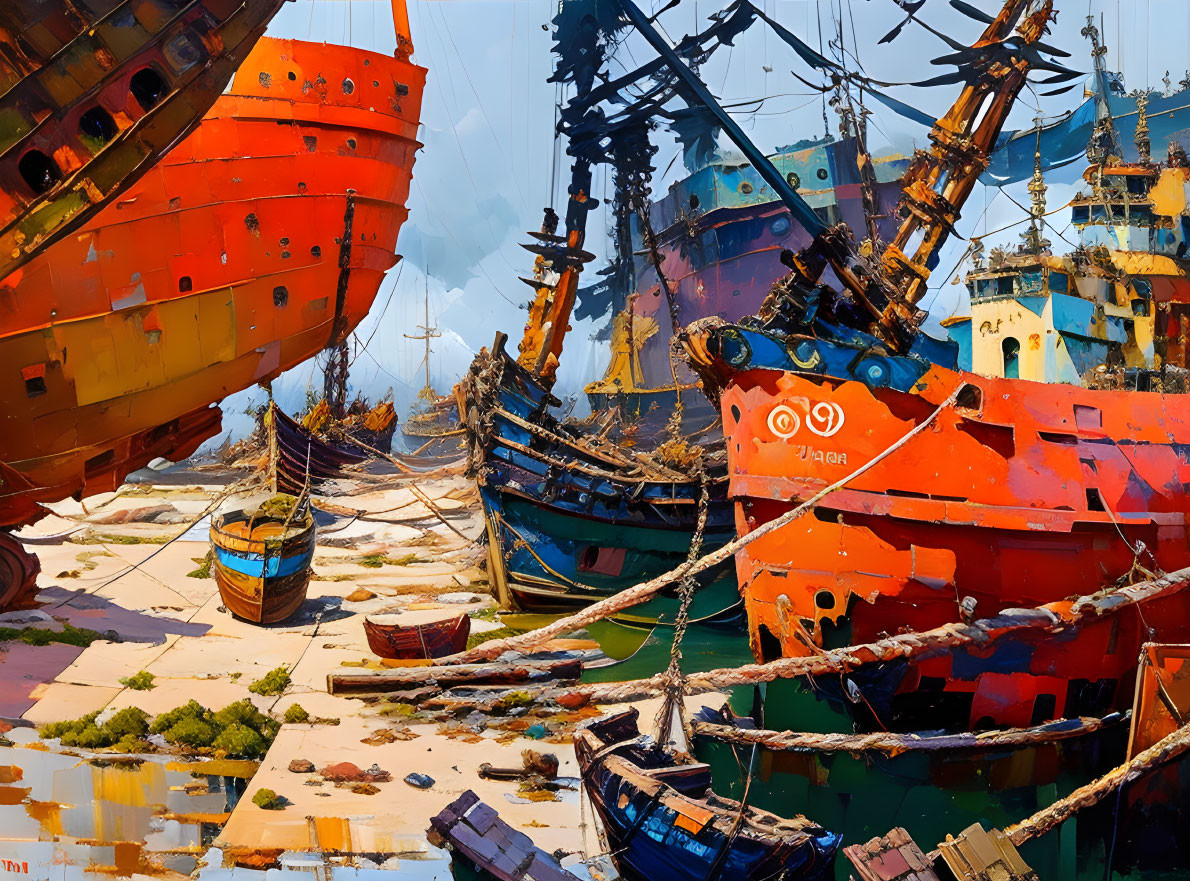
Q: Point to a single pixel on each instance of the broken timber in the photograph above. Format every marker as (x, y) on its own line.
(387, 681)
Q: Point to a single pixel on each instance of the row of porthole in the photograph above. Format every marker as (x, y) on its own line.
(793, 179)
(42, 173)
(186, 283)
(348, 85)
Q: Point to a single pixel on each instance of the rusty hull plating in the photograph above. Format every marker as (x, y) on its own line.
(258, 241)
(1019, 494)
(93, 94)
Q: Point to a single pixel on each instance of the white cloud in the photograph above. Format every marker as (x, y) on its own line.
(470, 123)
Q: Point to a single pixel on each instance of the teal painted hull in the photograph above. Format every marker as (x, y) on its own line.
(556, 560)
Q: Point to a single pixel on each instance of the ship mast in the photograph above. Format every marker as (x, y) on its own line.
(939, 181)
(936, 186)
(428, 333)
(401, 27)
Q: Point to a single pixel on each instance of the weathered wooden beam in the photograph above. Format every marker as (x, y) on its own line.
(401, 679)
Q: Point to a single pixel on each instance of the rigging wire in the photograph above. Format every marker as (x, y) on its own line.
(497, 238)
(388, 302)
(449, 230)
(480, 104)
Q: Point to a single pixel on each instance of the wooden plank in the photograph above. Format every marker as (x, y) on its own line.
(459, 674)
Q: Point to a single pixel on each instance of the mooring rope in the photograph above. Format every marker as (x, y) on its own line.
(1010, 622)
(892, 743)
(1163, 751)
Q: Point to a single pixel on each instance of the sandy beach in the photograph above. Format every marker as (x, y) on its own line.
(129, 565)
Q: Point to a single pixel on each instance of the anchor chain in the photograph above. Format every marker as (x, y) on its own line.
(675, 681)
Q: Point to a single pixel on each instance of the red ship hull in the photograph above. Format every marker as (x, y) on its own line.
(258, 241)
(1017, 494)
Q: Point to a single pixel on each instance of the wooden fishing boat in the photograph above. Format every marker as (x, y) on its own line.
(475, 831)
(662, 820)
(572, 519)
(18, 571)
(572, 516)
(434, 432)
(94, 94)
(720, 235)
(262, 563)
(270, 229)
(302, 458)
(419, 635)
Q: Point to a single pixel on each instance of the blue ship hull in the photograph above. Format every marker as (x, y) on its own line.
(574, 522)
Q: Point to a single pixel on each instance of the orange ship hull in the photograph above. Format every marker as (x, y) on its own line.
(1016, 495)
(258, 241)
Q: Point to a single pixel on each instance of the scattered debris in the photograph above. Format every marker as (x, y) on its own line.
(346, 772)
(419, 781)
(535, 765)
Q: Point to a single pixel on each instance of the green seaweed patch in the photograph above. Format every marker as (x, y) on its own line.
(279, 506)
(399, 710)
(239, 729)
(238, 739)
(129, 724)
(500, 633)
(273, 682)
(69, 635)
(204, 566)
(140, 681)
(296, 715)
(99, 538)
(267, 800)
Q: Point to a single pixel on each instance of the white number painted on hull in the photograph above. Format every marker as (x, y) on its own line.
(783, 422)
(823, 419)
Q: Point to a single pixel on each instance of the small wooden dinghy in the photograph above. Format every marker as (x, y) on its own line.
(417, 635)
(663, 821)
(262, 563)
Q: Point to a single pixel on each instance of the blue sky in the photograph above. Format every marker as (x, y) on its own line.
(488, 116)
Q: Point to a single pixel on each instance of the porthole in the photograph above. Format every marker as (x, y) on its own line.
(147, 87)
(39, 171)
(98, 125)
